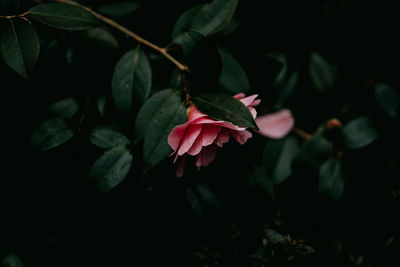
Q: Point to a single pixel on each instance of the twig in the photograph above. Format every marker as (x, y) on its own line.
(16, 16)
(185, 89)
(121, 28)
(302, 133)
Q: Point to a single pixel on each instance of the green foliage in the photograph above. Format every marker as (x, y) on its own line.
(257, 178)
(111, 168)
(12, 260)
(184, 22)
(315, 152)
(277, 158)
(233, 77)
(388, 98)
(226, 108)
(65, 108)
(51, 134)
(107, 138)
(131, 80)
(359, 133)
(64, 16)
(100, 37)
(19, 45)
(331, 179)
(169, 113)
(119, 10)
(323, 74)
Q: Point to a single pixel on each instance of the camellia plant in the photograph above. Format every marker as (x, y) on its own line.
(114, 119)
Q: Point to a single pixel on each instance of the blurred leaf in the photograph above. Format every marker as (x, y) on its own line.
(19, 45)
(101, 37)
(111, 169)
(162, 100)
(64, 16)
(278, 156)
(155, 147)
(213, 17)
(226, 108)
(304, 250)
(257, 177)
(119, 10)
(315, 152)
(208, 196)
(50, 134)
(323, 74)
(203, 59)
(64, 108)
(331, 179)
(131, 81)
(101, 104)
(233, 77)
(12, 260)
(194, 202)
(107, 138)
(285, 83)
(274, 237)
(388, 98)
(359, 132)
(184, 22)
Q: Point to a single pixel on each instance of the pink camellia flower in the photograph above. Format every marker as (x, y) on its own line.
(201, 135)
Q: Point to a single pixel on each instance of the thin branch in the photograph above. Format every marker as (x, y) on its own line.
(16, 16)
(302, 133)
(121, 28)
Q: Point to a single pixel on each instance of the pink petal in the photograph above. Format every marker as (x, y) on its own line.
(275, 125)
(223, 137)
(248, 100)
(225, 124)
(176, 135)
(194, 113)
(241, 136)
(181, 165)
(252, 111)
(192, 132)
(206, 156)
(255, 103)
(239, 96)
(207, 136)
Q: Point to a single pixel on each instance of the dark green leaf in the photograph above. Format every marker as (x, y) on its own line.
(107, 138)
(160, 101)
(233, 77)
(51, 133)
(359, 132)
(277, 158)
(119, 10)
(131, 81)
(285, 83)
(226, 108)
(323, 74)
(101, 104)
(257, 177)
(111, 169)
(331, 180)
(194, 202)
(315, 152)
(100, 37)
(213, 17)
(64, 108)
(12, 260)
(155, 147)
(19, 45)
(274, 237)
(64, 16)
(388, 98)
(208, 196)
(184, 22)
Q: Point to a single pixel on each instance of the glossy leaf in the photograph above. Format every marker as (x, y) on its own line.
(152, 108)
(131, 81)
(101, 37)
(233, 77)
(111, 169)
(258, 178)
(64, 16)
(226, 108)
(285, 83)
(314, 152)
(107, 138)
(359, 133)
(19, 45)
(64, 108)
(323, 74)
(155, 147)
(277, 158)
(51, 134)
(331, 179)
(119, 10)
(184, 22)
(388, 98)
(11, 260)
(101, 104)
(213, 17)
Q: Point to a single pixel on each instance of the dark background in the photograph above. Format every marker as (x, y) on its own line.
(51, 215)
